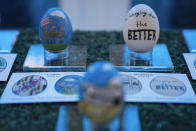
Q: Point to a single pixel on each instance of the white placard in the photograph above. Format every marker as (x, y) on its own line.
(38, 87)
(190, 59)
(46, 93)
(6, 63)
(158, 87)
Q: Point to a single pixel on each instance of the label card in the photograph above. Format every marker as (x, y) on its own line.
(41, 87)
(6, 62)
(63, 87)
(157, 87)
(190, 59)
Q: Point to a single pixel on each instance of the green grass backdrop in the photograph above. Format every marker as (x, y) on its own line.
(43, 116)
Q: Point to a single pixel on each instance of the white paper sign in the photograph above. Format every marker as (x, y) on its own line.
(41, 87)
(6, 62)
(158, 87)
(62, 87)
(190, 59)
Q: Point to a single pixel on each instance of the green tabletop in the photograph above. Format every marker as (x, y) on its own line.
(43, 116)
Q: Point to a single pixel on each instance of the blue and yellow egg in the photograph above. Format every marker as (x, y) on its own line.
(101, 95)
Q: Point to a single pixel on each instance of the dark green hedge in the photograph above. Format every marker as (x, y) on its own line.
(43, 116)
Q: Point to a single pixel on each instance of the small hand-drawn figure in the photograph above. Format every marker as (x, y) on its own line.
(25, 87)
(52, 33)
(68, 84)
(45, 34)
(61, 34)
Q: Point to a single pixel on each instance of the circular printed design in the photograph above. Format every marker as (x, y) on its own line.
(3, 64)
(131, 84)
(68, 84)
(167, 86)
(30, 85)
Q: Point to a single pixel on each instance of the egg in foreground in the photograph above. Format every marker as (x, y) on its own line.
(101, 95)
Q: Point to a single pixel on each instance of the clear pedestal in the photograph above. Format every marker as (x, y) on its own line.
(158, 59)
(56, 58)
(190, 39)
(139, 59)
(7, 40)
(73, 58)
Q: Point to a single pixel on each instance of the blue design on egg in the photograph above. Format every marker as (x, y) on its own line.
(55, 27)
(100, 73)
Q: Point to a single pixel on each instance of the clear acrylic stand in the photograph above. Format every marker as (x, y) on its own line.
(73, 58)
(190, 39)
(7, 40)
(56, 58)
(158, 59)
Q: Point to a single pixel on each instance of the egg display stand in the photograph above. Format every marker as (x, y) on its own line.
(156, 60)
(71, 59)
(190, 38)
(56, 58)
(128, 120)
(7, 40)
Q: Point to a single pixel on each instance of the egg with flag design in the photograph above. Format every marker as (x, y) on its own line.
(55, 30)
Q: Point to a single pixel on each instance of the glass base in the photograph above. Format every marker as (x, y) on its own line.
(56, 58)
(190, 38)
(73, 58)
(158, 59)
(128, 120)
(8, 39)
(138, 59)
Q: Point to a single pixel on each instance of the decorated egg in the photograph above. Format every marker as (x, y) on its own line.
(101, 95)
(141, 29)
(55, 30)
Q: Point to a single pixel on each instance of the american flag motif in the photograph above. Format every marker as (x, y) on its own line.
(45, 21)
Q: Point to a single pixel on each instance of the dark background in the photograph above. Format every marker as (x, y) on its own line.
(23, 13)
(173, 14)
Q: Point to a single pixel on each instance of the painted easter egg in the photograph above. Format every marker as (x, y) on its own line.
(55, 30)
(141, 29)
(101, 96)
